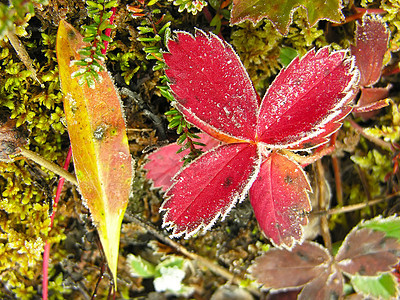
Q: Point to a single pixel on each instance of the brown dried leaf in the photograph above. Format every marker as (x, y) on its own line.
(366, 252)
(11, 137)
(280, 269)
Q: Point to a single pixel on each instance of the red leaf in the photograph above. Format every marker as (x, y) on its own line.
(283, 269)
(164, 163)
(211, 86)
(209, 187)
(279, 197)
(307, 100)
(366, 252)
(372, 38)
(303, 106)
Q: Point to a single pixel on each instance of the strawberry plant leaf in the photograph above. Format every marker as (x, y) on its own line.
(280, 13)
(279, 197)
(164, 163)
(372, 38)
(302, 107)
(96, 127)
(384, 286)
(307, 100)
(209, 187)
(211, 86)
(366, 252)
(304, 263)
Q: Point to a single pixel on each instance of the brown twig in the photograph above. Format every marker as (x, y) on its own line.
(375, 140)
(23, 55)
(48, 165)
(354, 207)
(320, 177)
(338, 180)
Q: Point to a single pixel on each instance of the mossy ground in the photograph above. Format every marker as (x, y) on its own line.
(76, 263)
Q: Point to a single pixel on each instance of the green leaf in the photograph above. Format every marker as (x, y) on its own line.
(280, 12)
(139, 267)
(383, 286)
(390, 225)
(286, 55)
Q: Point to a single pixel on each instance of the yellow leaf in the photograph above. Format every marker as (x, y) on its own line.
(96, 127)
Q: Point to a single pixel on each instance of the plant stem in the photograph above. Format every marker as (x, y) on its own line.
(375, 140)
(46, 253)
(49, 165)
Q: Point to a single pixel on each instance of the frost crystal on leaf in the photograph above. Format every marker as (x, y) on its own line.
(301, 109)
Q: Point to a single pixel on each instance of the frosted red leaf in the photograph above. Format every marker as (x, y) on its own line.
(307, 99)
(372, 38)
(209, 187)
(164, 163)
(303, 106)
(279, 197)
(211, 86)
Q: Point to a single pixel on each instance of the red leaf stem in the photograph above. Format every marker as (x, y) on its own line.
(108, 30)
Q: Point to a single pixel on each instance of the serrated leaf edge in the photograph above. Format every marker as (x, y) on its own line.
(350, 90)
(210, 36)
(238, 198)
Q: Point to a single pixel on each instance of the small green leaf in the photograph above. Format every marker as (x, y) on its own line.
(383, 286)
(139, 267)
(286, 55)
(390, 225)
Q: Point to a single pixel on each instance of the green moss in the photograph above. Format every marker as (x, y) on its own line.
(258, 48)
(24, 207)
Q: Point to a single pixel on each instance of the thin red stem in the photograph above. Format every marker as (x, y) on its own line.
(46, 253)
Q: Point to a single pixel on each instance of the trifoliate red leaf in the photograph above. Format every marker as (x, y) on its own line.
(302, 107)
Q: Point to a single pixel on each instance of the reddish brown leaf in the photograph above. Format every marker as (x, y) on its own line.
(366, 252)
(279, 197)
(282, 269)
(211, 86)
(370, 101)
(372, 38)
(209, 187)
(307, 100)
